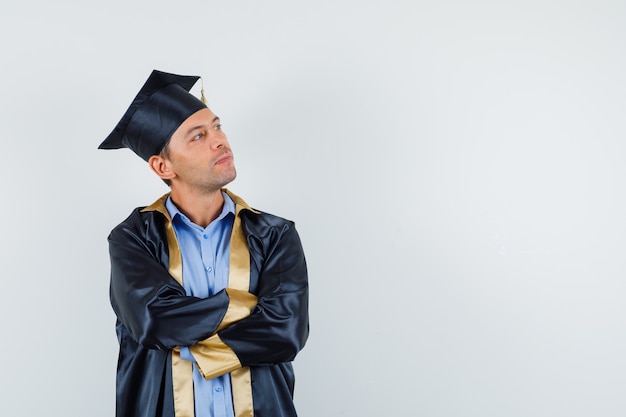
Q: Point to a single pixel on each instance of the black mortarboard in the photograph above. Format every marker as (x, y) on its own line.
(162, 104)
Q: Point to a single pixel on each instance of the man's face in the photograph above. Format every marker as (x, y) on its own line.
(199, 154)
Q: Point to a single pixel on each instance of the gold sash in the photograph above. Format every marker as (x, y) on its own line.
(212, 355)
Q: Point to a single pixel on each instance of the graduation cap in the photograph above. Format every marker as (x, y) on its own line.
(162, 104)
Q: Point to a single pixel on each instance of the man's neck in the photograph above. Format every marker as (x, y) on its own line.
(200, 208)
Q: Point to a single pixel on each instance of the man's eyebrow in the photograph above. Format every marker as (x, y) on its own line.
(188, 132)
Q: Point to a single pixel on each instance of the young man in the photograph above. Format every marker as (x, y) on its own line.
(211, 296)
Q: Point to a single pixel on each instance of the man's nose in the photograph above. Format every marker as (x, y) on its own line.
(218, 141)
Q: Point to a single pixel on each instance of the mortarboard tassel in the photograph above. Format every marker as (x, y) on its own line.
(202, 97)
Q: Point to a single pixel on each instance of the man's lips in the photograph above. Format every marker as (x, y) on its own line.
(224, 159)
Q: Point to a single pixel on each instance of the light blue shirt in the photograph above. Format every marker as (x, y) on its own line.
(206, 259)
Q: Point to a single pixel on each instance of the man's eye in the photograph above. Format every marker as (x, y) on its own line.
(198, 136)
(217, 127)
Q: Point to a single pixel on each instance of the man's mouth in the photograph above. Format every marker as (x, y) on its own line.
(224, 159)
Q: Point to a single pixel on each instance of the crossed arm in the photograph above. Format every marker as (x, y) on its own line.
(226, 331)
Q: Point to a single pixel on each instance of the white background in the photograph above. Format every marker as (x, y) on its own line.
(455, 170)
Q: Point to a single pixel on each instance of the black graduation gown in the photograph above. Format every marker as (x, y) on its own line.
(254, 338)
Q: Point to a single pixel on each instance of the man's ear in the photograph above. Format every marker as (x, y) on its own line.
(161, 167)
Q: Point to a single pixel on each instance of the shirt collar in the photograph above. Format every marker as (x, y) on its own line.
(159, 205)
(174, 212)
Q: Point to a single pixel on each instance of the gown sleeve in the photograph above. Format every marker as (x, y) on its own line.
(152, 305)
(278, 326)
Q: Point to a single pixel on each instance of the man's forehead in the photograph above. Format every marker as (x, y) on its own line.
(200, 119)
(205, 115)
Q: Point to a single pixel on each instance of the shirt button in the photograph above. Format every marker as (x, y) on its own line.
(205, 236)
(218, 389)
(209, 268)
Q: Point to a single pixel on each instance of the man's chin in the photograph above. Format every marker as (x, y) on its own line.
(228, 179)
